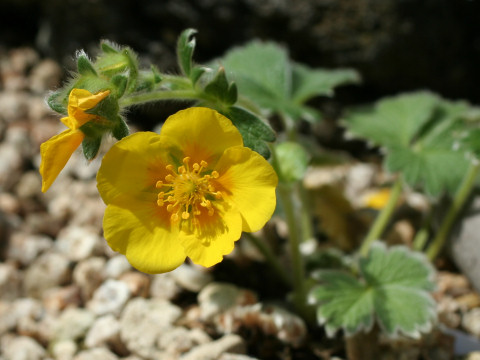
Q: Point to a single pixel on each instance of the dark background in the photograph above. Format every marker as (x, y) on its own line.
(397, 45)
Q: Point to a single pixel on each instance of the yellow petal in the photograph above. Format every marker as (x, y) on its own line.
(55, 154)
(213, 237)
(248, 181)
(200, 133)
(79, 101)
(131, 168)
(145, 239)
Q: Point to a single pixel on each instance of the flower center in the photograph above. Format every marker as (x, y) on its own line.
(187, 190)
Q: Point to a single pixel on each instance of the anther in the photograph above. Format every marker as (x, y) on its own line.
(186, 160)
(203, 163)
(174, 217)
(196, 166)
(169, 167)
(160, 202)
(215, 174)
(159, 184)
(185, 215)
(169, 207)
(169, 178)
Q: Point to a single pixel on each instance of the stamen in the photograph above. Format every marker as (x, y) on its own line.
(159, 184)
(215, 174)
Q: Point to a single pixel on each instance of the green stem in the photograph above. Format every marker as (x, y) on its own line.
(383, 218)
(305, 215)
(422, 235)
(135, 99)
(462, 193)
(299, 288)
(269, 257)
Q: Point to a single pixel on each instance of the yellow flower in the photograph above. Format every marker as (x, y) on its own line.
(189, 191)
(57, 150)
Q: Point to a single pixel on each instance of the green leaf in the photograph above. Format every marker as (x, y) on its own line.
(120, 84)
(291, 161)
(394, 289)
(254, 131)
(84, 66)
(109, 47)
(308, 82)
(54, 101)
(185, 48)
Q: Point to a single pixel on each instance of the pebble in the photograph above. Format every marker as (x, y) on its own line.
(11, 164)
(73, 324)
(10, 282)
(25, 248)
(79, 243)
(163, 286)
(471, 321)
(64, 349)
(96, 354)
(191, 278)
(45, 76)
(144, 321)
(179, 340)
(116, 266)
(105, 331)
(230, 343)
(88, 275)
(109, 298)
(8, 319)
(138, 283)
(47, 271)
(58, 298)
(217, 297)
(21, 348)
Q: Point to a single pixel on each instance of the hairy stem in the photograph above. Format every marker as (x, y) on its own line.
(382, 219)
(458, 201)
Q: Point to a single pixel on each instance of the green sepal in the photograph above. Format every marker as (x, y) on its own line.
(110, 64)
(84, 66)
(185, 48)
(157, 77)
(197, 73)
(254, 131)
(109, 47)
(120, 84)
(291, 161)
(54, 101)
(90, 147)
(107, 108)
(120, 130)
(132, 61)
(221, 89)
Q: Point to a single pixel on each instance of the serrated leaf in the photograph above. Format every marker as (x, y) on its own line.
(254, 131)
(394, 289)
(308, 82)
(120, 130)
(185, 48)
(393, 121)
(54, 101)
(292, 161)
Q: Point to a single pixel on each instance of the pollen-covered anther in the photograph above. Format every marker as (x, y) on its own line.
(190, 190)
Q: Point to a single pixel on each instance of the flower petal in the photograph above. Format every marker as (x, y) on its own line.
(200, 133)
(248, 181)
(79, 101)
(55, 154)
(131, 168)
(213, 237)
(147, 240)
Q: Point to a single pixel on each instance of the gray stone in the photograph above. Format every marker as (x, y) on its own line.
(471, 321)
(230, 343)
(109, 298)
(465, 245)
(21, 348)
(179, 340)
